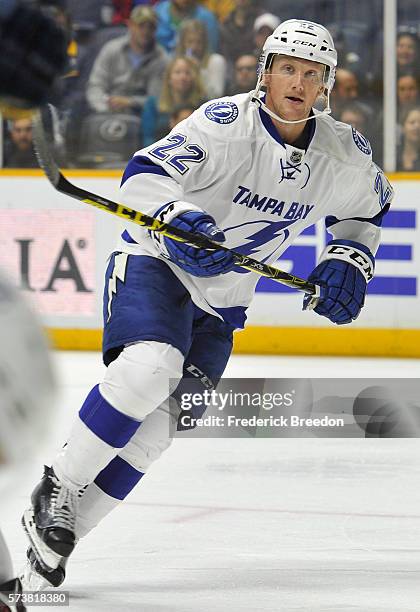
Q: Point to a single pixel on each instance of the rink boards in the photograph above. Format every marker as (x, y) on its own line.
(56, 250)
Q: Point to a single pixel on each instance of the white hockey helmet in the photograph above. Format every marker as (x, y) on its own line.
(306, 40)
(27, 382)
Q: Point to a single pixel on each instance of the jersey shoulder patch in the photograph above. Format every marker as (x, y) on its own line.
(222, 111)
(225, 118)
(361, 142)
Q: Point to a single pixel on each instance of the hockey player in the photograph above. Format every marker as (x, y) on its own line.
(32, 55)
(26, 389)
(252, 172)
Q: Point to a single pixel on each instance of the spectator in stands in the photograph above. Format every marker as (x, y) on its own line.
(355, 115)
(19, 150)
(245, 75)
(221, 8)
(407, 92)
(346, 84)
(346, 97)
(181, 86)
(237, 32)
(347, 89)
(121, 9)
(264, 26)
(408, 153)
(181, 112)
(362, 118)
(407, 53)
(193, 43)
(171, 14)
(128, 69)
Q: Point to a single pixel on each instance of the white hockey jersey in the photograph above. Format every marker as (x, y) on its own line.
(229, 160)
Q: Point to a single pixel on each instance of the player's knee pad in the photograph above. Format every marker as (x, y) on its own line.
(142, 377)
(154, 436)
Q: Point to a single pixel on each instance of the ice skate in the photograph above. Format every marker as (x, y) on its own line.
(35, 577)
(50, 522)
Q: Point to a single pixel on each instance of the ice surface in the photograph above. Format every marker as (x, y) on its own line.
(315, 525)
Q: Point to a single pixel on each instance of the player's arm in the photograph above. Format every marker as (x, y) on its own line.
(155, 182)
(33, 52)
(348, 262)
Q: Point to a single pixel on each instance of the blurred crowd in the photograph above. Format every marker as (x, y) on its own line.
(137, 67)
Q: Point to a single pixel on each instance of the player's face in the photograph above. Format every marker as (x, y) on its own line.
(293, 85)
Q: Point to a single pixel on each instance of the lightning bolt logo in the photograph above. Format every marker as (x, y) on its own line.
(118, 273)
(253, 243)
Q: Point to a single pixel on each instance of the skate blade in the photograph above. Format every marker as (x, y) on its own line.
(47, 558)
(32, 581)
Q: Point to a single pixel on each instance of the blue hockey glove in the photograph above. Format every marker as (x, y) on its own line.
(195, 261)
(199, 262)
(343, 273)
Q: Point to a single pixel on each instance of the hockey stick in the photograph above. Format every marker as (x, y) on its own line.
(59, 182)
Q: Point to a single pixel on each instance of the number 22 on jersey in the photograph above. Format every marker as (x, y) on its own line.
(179, 161)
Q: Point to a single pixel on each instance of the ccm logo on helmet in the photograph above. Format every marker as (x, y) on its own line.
(304, 43)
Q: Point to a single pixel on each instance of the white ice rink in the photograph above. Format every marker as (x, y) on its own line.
(315, 525)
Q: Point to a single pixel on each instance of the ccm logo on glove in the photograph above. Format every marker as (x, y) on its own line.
(344, 270)
(351, 255)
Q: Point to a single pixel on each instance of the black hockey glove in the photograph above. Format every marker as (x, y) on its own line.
(33, 52)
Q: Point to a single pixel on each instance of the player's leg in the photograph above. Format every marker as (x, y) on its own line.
(204, 364)
(109, 489)
(148, 322)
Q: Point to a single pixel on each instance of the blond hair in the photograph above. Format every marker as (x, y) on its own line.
(193, 26)
(195, 96)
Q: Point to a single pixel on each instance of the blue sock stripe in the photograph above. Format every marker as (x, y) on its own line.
(109, 424)
(118, 478)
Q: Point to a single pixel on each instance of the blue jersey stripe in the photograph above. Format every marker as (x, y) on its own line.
(376, 220)
(140, 164)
